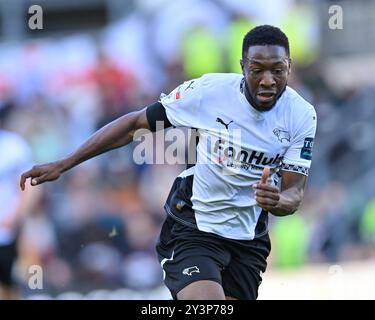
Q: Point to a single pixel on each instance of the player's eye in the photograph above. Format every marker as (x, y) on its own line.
(256, 71)
(278, 71)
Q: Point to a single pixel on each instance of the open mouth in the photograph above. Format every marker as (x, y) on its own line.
(265, 96)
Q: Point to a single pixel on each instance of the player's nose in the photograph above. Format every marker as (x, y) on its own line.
(267, 81)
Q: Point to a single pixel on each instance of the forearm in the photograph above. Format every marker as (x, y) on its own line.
(284, 202)
(116, 134)
(289, 202)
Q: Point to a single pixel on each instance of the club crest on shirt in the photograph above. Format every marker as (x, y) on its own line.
(281, 134)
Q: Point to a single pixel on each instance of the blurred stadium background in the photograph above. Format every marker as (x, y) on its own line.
(93, 232)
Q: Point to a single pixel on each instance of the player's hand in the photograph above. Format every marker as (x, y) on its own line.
(42, 173)
(266, 196)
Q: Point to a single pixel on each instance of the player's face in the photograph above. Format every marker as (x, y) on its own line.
(266, 69)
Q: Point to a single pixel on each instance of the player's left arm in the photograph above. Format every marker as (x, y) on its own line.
(294, 170)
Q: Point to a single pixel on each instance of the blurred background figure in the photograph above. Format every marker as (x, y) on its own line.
(15, 156)
(94, 60)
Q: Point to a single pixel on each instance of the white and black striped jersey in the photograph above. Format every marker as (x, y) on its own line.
(235, 143)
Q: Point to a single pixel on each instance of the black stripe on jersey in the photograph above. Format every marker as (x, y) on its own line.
(156, 112)
(179, 205)
(262, 225)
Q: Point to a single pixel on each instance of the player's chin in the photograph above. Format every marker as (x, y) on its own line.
(265, 105)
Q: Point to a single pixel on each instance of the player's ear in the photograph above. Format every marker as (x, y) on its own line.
(289, 65)
(242, 65)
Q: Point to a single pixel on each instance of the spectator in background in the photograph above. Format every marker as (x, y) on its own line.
(237, 27)
(117, 88)
(15, 156)
(202, 52)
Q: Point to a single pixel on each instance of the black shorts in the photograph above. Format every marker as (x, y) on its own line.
(188, 255)
(8, 254)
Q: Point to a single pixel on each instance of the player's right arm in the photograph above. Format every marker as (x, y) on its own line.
(116, 134)
(181, 106)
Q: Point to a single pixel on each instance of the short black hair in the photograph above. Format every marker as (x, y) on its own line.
(265, 35)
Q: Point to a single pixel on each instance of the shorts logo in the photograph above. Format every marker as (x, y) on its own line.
(281, 134)
(306, 151)
(189, 271)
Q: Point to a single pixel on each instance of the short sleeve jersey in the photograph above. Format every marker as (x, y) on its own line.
(235, 143)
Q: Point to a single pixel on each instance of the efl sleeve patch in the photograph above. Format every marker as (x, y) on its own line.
(306, 151)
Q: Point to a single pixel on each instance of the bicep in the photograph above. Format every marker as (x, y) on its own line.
(138, 124)
(141, 120)
(148, 117)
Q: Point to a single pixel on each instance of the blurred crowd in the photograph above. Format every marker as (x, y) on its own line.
(97, 226)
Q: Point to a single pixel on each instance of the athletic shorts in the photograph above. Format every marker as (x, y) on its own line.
(188, 255)
(8, 254)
